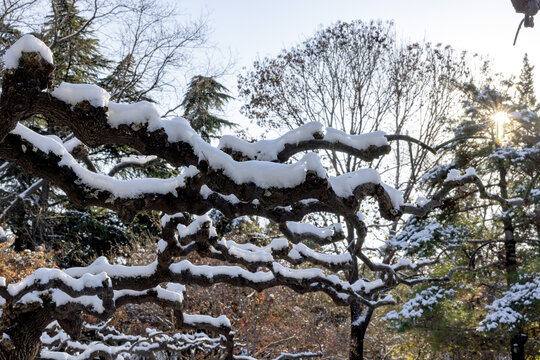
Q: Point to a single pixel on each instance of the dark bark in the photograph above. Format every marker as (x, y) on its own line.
(517, 346)
(356, 349)
(518, 340)
(25, 334)
(358, 330)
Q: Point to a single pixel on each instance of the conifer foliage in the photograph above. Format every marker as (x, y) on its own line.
(203, 96)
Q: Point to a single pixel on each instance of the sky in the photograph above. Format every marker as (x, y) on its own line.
(252, 29)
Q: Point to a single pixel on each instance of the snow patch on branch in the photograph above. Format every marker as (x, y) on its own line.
(301, 250)
(27, 43)
(307, 228)
(60, 298)
(119, 188)
(76, 93)
(361, 141)
(268, 150)
(141, 112)
(101, 264)
(344, 185)
(43, 276)
(197, 320)
(511, 308)
(414, 308)
(455, 174)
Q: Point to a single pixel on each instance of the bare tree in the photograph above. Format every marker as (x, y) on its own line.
(356, 77)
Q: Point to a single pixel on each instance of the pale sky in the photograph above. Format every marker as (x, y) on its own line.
(252, 29)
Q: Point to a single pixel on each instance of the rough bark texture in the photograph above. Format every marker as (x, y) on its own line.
(518, 340)
(25, 334)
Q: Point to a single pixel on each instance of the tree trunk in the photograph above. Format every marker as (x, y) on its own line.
(518, 340)
(356, 351)
(359, 325)
(358, 332)
(25, 337)
(517, 345)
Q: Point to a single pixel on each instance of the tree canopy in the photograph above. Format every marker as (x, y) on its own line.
(382, 196)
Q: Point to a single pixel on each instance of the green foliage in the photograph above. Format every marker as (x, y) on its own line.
(79, 237)
(203, 96)
(525, 86)
(120, 82)
(75, 50)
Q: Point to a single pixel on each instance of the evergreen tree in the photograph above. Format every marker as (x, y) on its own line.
(205, 94)
(502, 153)
(525, 86)
(75, 50)
(122, 82)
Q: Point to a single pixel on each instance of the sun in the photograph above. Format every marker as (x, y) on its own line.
(500, 119)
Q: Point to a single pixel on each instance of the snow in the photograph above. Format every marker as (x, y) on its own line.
(416, 235)
(195, 320)
(513, 306)
(195, 226)
(76, 93)
(307, 228)
(215, 271)
(60, 298)
(71, 144)
(279, 244)
(119, 188)
(334, 259)
(362, 285)
(423, 301)
(101, 264)
(455, 174)
(396, 196)
(172, 292)
(166, 218)
(264, 174)
(267, 174)
(137, 113)
(299, 274)
(2, 302)
(359, 320)
(93, 301)
(43, 276)
(247, 255)
(361, 142)
(89, 350)
(161, 246)
(344, 185)
(516, 156)
(206, 192)
(268, 150)
(27, 43)
(138, 159)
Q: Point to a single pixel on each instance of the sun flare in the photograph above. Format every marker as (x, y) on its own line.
(500, 119)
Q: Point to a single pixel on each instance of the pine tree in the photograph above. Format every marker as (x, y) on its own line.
(78, 59)
(205, 94)
(122, 82)
(502, 214)
(525, 86)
